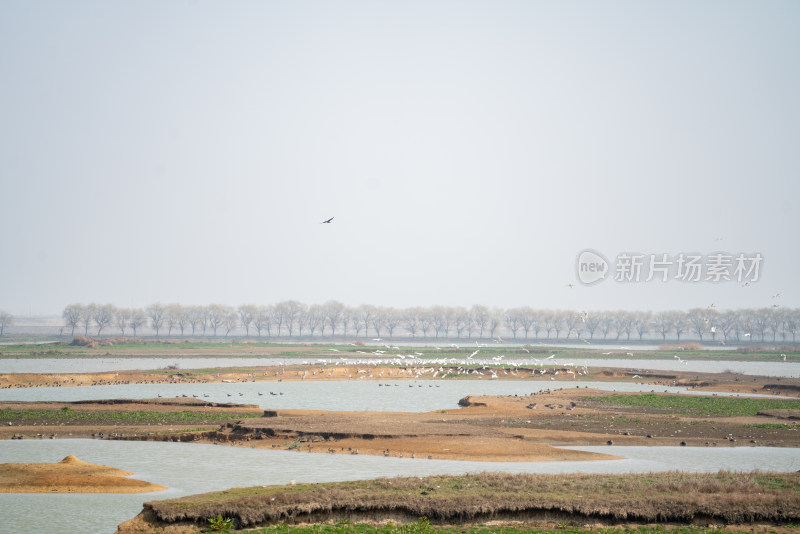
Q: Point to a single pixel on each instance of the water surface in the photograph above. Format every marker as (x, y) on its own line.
(194, 468)
(102, 364)
(354, 395)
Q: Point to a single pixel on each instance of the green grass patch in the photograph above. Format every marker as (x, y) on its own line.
(699, 406)
(777, 426)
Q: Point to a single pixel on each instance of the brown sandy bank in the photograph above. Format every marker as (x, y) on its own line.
(70, 475)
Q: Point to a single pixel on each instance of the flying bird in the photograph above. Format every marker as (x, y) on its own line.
(327, 222)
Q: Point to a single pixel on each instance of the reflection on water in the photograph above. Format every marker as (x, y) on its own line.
(193, 468)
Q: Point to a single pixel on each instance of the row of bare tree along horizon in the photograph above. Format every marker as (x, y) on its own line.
(293, 319)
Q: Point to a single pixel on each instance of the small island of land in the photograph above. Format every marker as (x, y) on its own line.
(70, 475)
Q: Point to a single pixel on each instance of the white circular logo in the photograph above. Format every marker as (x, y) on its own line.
(591, 267)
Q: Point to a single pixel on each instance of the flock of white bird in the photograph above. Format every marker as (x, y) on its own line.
(416, 365)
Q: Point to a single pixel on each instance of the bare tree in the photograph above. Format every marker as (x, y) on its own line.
(196, 316)
(461, 321)
(102, 316)
(156, 313)
(122, 318)
(6, 319)
(513, 319)
(698, 320)
(774, 322)
(230, 320)
(679, 324)
(315, 318)
(793, 323)
(411, 320)
(761, 322)
(172, 316)
(643, 323)
(247, 313)
(138, 319)
(495, 320)
(558, 323)
(279, 312)
(391, 320)
(354, 316)
(481, 317)
(87, 317)
(573, 322)
(549, 322)
(333, 311)
(591, 322)
(287, 312)
(663, 323)
(440, 316)
(366, 313)
(625, 323)
(216, 316)
(262, 320)
(726, 323)
(302, 319)
(179, 316)
(537, 325)
(425, 321)
(347, 316)
(378, 320)
(608, 323)
(527, 318)
(712, 316)
(72, 316)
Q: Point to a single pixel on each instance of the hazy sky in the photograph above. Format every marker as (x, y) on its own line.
(187, 151)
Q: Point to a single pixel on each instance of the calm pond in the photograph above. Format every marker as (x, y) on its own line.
(192, 468)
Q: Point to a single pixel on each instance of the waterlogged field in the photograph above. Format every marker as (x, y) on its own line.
(699, 406)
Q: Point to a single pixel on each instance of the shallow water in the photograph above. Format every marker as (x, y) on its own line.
(354, 395)
(93, 365)
(192, 468)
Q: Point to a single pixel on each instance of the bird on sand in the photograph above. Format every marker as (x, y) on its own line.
(327, 222)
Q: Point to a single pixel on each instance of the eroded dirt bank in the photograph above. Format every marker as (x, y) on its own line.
(760, 501)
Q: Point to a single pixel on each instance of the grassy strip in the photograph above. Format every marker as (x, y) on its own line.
(656, 497)
(699, 406)
(80, 417)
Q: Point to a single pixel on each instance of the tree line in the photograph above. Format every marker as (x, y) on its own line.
(293, 319)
